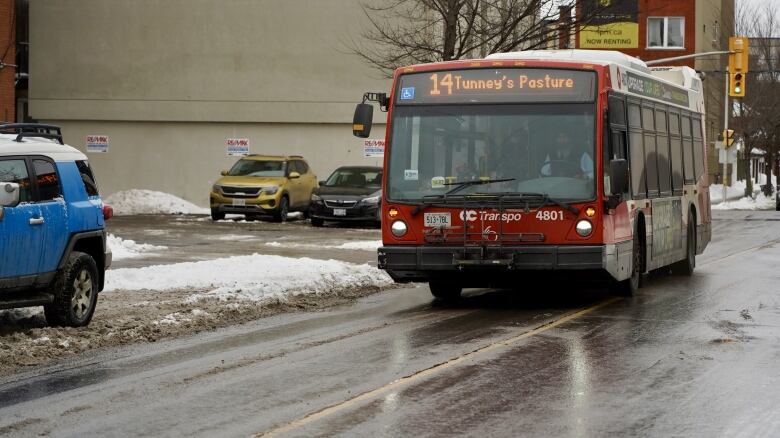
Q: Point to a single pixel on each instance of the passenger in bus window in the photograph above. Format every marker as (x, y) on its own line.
(511, 156)
(566, 160)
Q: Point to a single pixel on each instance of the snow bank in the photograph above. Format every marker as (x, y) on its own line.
(256, 277)
(362, 245)
(128, 249)
(137, 201)
(761, 202)
(736, 190)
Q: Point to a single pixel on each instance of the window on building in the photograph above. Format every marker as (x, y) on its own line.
(666, 32)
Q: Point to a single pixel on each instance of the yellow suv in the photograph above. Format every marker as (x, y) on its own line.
(264, 185)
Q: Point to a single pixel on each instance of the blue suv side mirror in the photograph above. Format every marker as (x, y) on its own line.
(9, 196)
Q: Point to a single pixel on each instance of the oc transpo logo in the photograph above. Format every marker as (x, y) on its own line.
(472, 215)
(468, 215)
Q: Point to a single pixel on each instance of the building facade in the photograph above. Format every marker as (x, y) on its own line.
(169, 81)
(659, 29)
(7, 60)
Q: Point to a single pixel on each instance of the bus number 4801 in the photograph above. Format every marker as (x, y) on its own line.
(547, 215)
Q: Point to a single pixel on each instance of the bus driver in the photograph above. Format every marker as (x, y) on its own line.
(566, 161)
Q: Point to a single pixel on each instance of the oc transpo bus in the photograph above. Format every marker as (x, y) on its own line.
(587, 162)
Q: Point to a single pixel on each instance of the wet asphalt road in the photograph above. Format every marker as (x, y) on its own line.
(692, 356)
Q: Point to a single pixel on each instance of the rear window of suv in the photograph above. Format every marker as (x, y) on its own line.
(48, 180)
(87, 178)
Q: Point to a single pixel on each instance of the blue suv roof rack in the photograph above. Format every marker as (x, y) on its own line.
(32, 130)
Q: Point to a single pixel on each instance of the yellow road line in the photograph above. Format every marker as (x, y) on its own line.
(420, 375)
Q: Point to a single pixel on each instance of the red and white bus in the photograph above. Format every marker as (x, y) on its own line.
(587, 162)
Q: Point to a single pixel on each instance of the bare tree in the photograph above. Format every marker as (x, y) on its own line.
(758, 121)
(403, 32)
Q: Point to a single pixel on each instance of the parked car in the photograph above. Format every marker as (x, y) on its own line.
(351, 193)
(264, 185)
(53, 249)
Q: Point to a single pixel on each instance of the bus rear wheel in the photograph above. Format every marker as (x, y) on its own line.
(688, 264)
(445, 291)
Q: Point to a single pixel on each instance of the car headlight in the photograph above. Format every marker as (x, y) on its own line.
(370, 201)
(315, 197)
(216, 188)
(270, 190)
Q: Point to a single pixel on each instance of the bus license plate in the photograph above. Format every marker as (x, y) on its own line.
(437, 220)
(240, 202)
(339, 212)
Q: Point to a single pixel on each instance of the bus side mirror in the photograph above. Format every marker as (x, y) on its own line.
(361, 123)
(618, 176)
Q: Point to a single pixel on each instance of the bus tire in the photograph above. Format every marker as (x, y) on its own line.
(688, 264)
(445, 291)
(629, 286)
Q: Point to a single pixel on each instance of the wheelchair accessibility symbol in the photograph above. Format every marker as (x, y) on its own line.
(407, 93)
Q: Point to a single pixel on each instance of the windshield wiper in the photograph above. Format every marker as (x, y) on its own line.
(459, 185)
(527, 197)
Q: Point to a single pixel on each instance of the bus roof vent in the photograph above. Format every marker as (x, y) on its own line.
(574, 55)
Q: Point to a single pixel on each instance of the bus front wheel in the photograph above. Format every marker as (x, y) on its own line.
(445, 291)
(631, 285)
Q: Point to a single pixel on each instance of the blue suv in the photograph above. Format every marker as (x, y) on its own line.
(53, 249)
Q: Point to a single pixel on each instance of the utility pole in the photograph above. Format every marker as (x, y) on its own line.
(725, 136)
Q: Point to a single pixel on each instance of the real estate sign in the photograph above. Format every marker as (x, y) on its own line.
(614, 26)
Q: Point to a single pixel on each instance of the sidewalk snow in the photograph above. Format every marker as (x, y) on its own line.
(136, 201)
(361, 245)
(761, 202)
(735, 191)
(128, 249)
(256, 277)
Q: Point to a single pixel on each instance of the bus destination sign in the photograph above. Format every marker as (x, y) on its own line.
(503, 85)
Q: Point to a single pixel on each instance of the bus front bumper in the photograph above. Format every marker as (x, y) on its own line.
(425, 263)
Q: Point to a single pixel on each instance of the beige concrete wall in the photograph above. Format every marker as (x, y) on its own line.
(169, 80)
(185, 158)
(197, 60)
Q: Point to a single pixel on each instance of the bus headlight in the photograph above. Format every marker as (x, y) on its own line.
(398, 228)
(584, 228)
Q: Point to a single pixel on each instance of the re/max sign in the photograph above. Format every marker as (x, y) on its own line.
(503, 85)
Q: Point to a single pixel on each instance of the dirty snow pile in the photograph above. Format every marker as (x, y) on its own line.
(761, 202)
(129, 249)
(138, 201)
(256, 277)
(361, 245)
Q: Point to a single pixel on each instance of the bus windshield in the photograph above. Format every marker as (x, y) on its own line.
(540, 148)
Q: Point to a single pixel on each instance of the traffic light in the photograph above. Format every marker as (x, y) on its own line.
(727, 137)
(736, 84)
(738, 65)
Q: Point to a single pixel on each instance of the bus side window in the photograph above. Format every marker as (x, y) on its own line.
(636, 152)
(698, 148)
(687, 147)
(677, 153)
(662, 142)
(651, 156)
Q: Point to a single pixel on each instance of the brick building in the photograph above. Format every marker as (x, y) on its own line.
(7, 60)
(658, 29)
